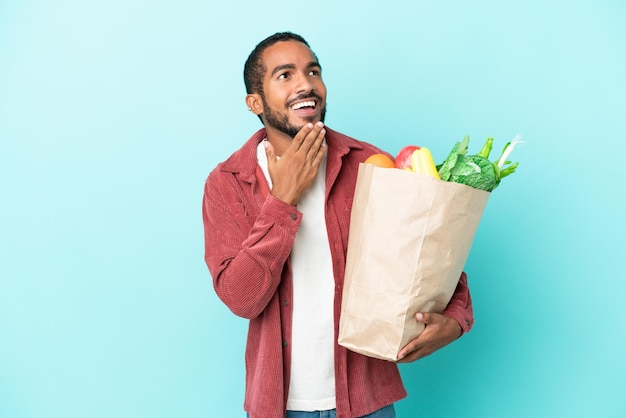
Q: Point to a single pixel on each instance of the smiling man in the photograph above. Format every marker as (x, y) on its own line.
(276, 219)
(294, 82)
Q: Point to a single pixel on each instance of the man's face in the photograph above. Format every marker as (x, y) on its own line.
(293, 91)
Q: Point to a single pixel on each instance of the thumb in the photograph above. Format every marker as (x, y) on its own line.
(423, 317)
(269, 151)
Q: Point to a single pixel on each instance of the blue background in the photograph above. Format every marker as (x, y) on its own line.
(113, 113)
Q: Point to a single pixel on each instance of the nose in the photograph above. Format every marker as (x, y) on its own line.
(304, 84)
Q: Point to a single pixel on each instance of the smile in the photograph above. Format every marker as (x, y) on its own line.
(300, 105)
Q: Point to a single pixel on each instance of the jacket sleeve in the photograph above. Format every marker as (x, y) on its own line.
(246, 252)
(460, 306)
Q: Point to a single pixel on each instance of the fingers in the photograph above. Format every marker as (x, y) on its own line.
(419, 346)
(309, 140)
(295, 170)
(415, 350)
(439, 331)
(412, 356)
(409, 350)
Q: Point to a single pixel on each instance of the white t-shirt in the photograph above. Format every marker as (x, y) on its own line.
(312, 380)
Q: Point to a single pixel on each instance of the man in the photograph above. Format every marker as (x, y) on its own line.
(276, 216)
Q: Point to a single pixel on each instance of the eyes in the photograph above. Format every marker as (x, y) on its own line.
(286, 75)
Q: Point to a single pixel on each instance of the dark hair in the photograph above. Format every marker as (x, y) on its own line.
(254, 70)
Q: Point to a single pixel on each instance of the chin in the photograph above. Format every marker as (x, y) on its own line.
(312, 119)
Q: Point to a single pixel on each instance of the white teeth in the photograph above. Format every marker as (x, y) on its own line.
(300, 105)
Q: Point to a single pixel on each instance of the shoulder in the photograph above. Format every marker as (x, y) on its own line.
(353, 147)
(241, 163)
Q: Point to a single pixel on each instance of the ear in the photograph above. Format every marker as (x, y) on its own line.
(254, 103)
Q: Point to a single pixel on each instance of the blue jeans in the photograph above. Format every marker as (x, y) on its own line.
(386, 412)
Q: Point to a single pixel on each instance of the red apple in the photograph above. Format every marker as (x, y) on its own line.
(403, 159)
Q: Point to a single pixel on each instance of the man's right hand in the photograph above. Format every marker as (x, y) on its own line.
(294, 172)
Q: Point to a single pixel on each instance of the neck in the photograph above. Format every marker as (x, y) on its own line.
(279, 140)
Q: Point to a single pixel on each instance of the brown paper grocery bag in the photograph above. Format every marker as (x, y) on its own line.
(410, 236)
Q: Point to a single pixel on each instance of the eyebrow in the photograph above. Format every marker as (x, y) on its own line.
(292, 66)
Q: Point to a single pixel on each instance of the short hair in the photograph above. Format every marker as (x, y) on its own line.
(254, 70)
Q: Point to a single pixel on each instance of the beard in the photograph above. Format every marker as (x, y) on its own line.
(280, 121)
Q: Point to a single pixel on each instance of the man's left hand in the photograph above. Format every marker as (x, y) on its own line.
(440, 331)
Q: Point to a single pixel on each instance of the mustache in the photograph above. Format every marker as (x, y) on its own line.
(305, 96)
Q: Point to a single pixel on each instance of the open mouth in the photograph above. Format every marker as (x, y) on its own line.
(304, 106)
